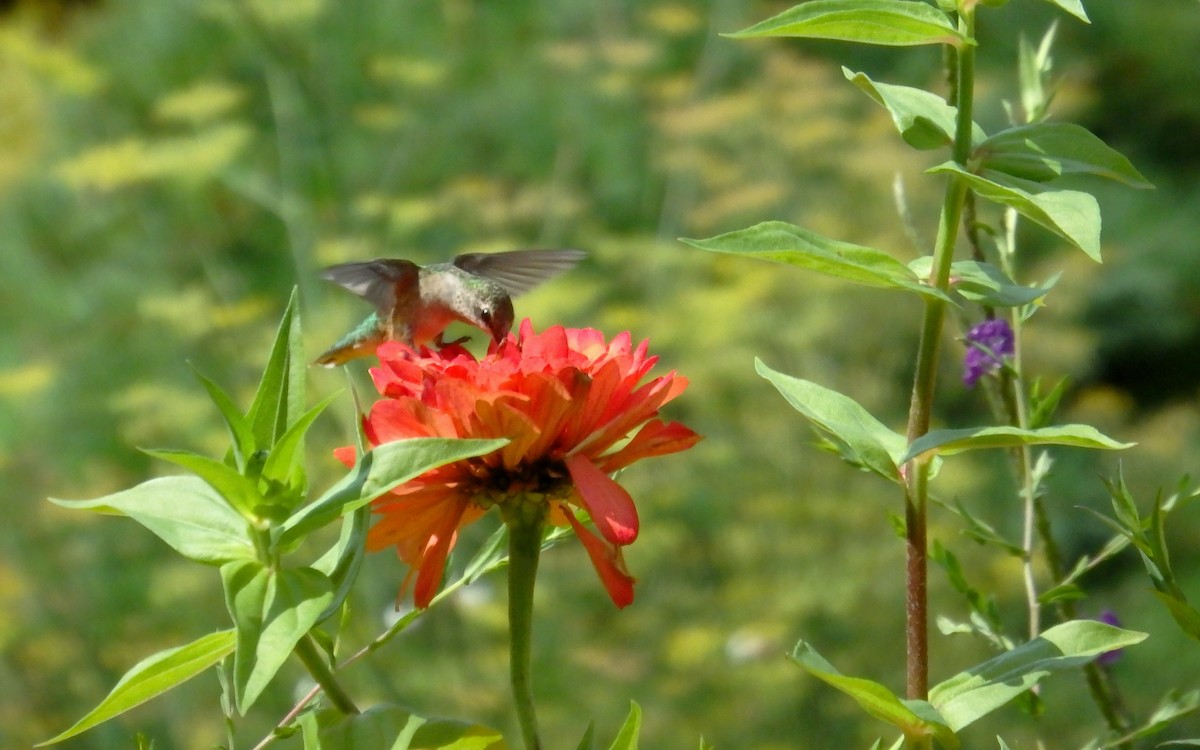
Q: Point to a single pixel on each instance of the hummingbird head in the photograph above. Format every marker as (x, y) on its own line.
(496, 316)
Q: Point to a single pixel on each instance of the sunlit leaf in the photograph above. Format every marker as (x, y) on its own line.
(784, 243)
(378, 471)
(627, 738)
(983, 283)
(273, 610)
(240, 435)
(282, 460)
(342, 561)
(395, 728)
(977, 691)
(1074, 7)
(949, 442)
(1045, 150)
(241, 493)
(154, 676)
(913, 718)
(279, 400)
(1070, 214)
(888, 22)
(924, 119)
(185, 512)
(863, 440)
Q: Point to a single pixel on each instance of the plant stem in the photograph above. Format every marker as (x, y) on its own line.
(524, 548)
(316, 665)
(925, 380)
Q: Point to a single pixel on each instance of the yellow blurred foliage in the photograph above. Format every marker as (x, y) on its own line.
(134, 160)
(269, 12)
(26, 380)
(193, 312)
(413, 72)
(22, 46)
(200, 102)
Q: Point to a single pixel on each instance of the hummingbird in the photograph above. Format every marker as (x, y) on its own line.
(414, 304)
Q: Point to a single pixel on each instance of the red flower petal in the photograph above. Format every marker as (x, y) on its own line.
(656, 438)
(609, 505)
(607, 561)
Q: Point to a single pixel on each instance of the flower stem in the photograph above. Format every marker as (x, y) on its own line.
(925, 379)
(320, 671)
(524, 548)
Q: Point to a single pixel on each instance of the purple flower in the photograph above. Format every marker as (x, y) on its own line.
(987, 345)
(1109, 658)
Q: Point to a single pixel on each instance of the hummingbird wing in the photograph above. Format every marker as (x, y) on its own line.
(374, 280)
(518, 271)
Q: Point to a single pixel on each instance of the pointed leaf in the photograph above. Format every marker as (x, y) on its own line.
(1074, 7)
(983, 283)
(976, 692)
(241, 437)
(627, 738)
(899, 23)
(588, 741)
(343, 560)
(390, 727)
(241, 493)
(185, 512)
(295, 599)
(378, 471)
(279, 401)
(154, 676)
(949, 442)
(245, 584)
(783, 243)
(1185, 615)
(1045, 150)
(924, 119)
(913, 718)
(1070, 214)
(864, 440)
(282, 459)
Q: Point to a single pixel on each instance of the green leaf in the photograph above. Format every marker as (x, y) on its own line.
(185, 512)
(1045, 150)
(924, 119)
(343, 560)
(863, 440)
(488, 556)
(588, 741)
(897, 23)
(1070, 214)
(152, 677)
(241, 493)
(282, 459)
(784, 243)
(1173, 706)
(241, 437)
(1074, 7)
(983, 283)
(949, 442)
(983, 688)
(1185, 615)
(272, 610)
(279, 401)
(386, 467)
(390, 727)
(913, 718)
(627, 738)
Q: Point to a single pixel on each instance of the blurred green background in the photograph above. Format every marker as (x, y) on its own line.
(170, 169)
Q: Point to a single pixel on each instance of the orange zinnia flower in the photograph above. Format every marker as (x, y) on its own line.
(574, 412)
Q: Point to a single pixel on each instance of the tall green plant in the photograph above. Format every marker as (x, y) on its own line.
(972, 273)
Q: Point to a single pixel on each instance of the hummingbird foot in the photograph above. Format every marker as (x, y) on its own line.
(442, 344)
